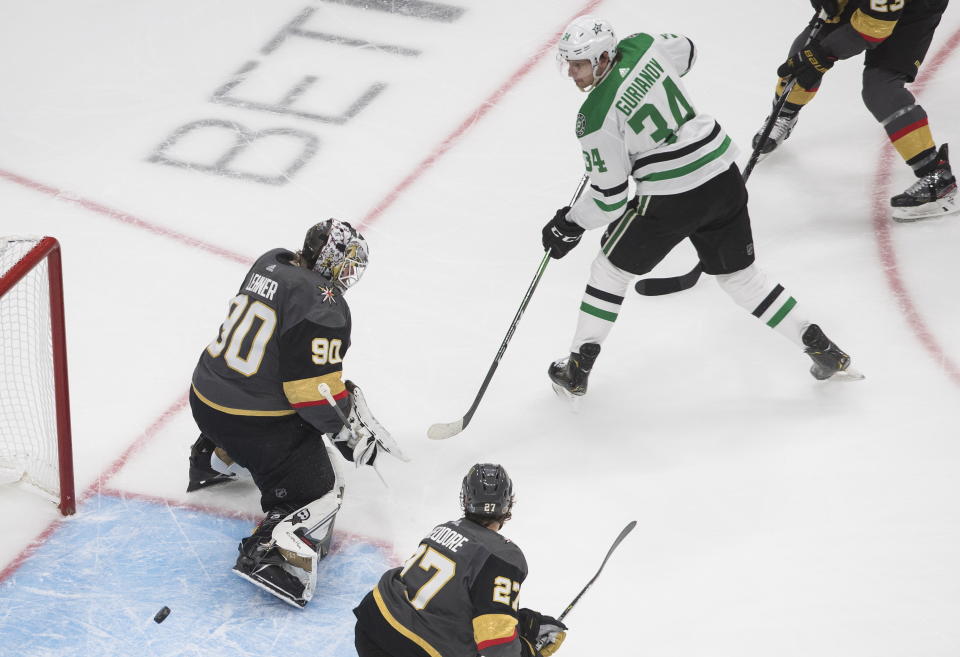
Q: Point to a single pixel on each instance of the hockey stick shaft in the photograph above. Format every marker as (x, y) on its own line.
(326, 393)
(653, 287)
(815, 24)
(619, 539)
(443, 430)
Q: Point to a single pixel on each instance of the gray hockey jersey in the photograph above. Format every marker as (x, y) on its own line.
(287, 330)
(457, 596)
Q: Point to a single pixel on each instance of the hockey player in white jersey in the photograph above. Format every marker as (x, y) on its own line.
(638, 121)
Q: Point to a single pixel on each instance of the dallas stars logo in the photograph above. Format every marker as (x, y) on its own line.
(328, 294)
(597, 28)
(581, 125)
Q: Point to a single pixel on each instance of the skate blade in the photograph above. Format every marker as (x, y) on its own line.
(572, 400)
(272, 589)
(847, 375)
(207, 483)
(940, 208)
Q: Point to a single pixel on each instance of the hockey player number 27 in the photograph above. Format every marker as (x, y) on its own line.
(429, 559)
(679, 107)
(232, 340)
(503, 587)
(886, 5)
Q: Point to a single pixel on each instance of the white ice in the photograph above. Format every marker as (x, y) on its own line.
(776, 514)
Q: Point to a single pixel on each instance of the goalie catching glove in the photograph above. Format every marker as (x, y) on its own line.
(362, 437)
(542, 635)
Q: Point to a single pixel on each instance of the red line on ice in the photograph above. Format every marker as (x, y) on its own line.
(131, 220)
(135, 447)
(468, 122)
(123, 217)
(30, 549)
(882, 224)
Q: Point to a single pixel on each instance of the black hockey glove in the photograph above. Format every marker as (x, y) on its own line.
(536, 628)
(560, 235)
(808, 65)
(830, 7)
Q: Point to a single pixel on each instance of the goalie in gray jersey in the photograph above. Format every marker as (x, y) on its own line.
(458, 595)
(267, 389)
(639, 122)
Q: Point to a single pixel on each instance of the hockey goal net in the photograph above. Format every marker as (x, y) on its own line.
(35, 447)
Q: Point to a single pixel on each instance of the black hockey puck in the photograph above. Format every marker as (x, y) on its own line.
(161, 615)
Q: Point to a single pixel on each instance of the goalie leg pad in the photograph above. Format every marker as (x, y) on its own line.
(308, 530)
(303, 538)
(285, 564)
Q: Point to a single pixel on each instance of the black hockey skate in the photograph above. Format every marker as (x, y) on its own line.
(261, 563)
(828, 359)
(202, 474)
(569, 375)
(932, 195)
(782, 127)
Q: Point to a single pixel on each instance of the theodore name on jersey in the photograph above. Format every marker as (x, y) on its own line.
(447, 538)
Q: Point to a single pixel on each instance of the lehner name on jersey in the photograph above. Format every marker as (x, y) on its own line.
(261, 285)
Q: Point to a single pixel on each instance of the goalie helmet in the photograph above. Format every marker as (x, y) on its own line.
(487, 492)
(335, 250)
(587, 37)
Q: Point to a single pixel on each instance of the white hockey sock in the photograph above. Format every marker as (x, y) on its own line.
(769, 303)
(601, 302)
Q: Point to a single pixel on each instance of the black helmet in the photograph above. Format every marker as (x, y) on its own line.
(487, 492)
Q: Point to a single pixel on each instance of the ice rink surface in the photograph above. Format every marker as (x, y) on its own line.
(166, 145)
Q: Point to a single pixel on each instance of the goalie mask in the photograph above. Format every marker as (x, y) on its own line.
(487, 492)
(587, 38)
(335, 250)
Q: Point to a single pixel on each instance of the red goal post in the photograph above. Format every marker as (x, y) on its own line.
(35, 439)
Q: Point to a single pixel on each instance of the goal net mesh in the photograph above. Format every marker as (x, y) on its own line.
(28, 424)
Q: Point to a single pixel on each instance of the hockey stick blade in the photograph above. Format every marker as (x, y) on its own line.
(655, 287)
(444, 430)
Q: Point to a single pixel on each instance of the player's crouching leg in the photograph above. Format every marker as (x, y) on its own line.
(281, 555)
